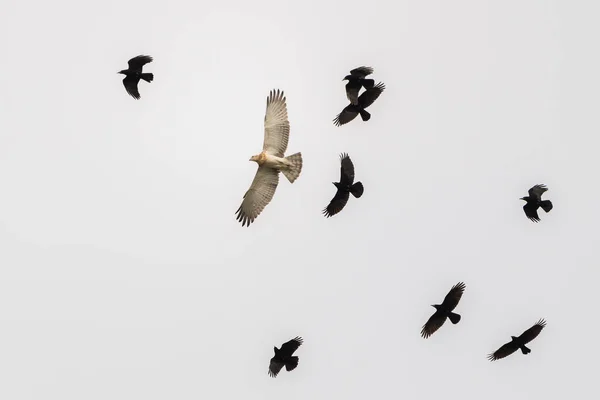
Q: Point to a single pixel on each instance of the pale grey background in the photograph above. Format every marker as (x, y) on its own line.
(124, 274)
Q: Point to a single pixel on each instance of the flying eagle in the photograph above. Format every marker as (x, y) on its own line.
(517, 343)
(283, 357)
(356, 80)
(134, 73)
(444, 310)
(270, 161)
(534, 201)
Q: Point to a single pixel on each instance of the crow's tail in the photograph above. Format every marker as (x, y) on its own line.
(365, 115)
(147, 76)
(454, 318)
(292, 363)
(357, 189)
(546, 205)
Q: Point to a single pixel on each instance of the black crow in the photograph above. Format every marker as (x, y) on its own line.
(134, 74)
(344, 187)
(364, 100)
(356, 80)
(518, 342)
(534, 201)
(284, 356)
(444, 311)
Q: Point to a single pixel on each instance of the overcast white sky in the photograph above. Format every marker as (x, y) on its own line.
(124, 274)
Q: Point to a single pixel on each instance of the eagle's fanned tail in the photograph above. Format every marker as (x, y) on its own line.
(292, 173)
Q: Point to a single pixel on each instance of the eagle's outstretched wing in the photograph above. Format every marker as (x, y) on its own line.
(259, 195)
(277, 126)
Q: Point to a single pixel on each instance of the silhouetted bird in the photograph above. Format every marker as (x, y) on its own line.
(518, 342)
(364, 100)
(284, 356)
(534, 201)
(134, 74)
(356, 80)
(444, 311)
(344, 187)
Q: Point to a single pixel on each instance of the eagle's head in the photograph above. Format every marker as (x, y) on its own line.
(259, 159)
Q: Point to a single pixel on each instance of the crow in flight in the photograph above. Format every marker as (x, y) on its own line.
(444, 311)
(134, 73)
(364, 100)
(344, 187)
(356, 80)
(518, 342)
(534, 201)
(284, 356)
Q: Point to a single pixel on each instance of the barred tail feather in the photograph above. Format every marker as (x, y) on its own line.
(293, 172)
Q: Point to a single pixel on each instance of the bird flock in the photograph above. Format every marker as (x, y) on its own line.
(272, 160)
